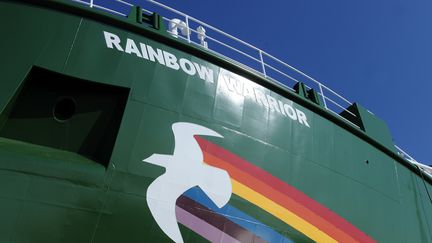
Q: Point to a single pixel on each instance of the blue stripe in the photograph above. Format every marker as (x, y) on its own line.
(253, 225)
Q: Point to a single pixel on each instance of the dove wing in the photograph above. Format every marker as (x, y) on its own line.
(185, 144)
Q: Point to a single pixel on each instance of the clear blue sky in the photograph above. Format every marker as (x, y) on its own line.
(374, 52)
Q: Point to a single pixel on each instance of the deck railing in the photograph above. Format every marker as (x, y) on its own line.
(405, 155)
(232, 48)
(242, 53)
(252, 57)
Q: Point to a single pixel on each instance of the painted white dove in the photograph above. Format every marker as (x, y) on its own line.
(185, 169)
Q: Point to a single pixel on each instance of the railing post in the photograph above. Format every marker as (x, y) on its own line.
(322, 95)
(91, 3)
(188, 29)
(262, 63)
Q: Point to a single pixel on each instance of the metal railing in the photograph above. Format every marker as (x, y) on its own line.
(239, 52)
(259, 60)
(406, 156)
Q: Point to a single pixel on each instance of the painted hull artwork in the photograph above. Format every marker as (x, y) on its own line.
(203, 209)
(113, 130)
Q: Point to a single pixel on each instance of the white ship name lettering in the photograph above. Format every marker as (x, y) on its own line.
(239, 86)
(157, 55)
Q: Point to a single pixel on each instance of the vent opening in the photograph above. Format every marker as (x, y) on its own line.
(64, 109)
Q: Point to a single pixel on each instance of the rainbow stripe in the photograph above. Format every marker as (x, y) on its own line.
(213, 226)
(280, 199)
(242, 223)
(202, 227)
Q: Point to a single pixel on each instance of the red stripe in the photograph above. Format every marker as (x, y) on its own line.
(284, 188)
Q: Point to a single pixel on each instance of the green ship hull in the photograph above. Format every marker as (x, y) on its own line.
(112, 130)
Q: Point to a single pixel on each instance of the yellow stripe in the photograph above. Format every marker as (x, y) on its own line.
(280, 212)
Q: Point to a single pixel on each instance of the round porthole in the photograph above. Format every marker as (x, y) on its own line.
(64, 109)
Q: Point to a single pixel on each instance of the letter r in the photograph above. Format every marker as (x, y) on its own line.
(112, 39)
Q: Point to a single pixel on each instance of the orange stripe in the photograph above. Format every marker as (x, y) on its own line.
(279, 198)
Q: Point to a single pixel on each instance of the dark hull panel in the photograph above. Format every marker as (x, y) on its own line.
(153, 142)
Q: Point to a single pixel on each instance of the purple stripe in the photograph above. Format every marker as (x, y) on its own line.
(217, 220)
(202, 228)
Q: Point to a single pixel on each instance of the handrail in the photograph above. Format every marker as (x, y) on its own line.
(265, 64)
(260, 58)
(426, 169)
